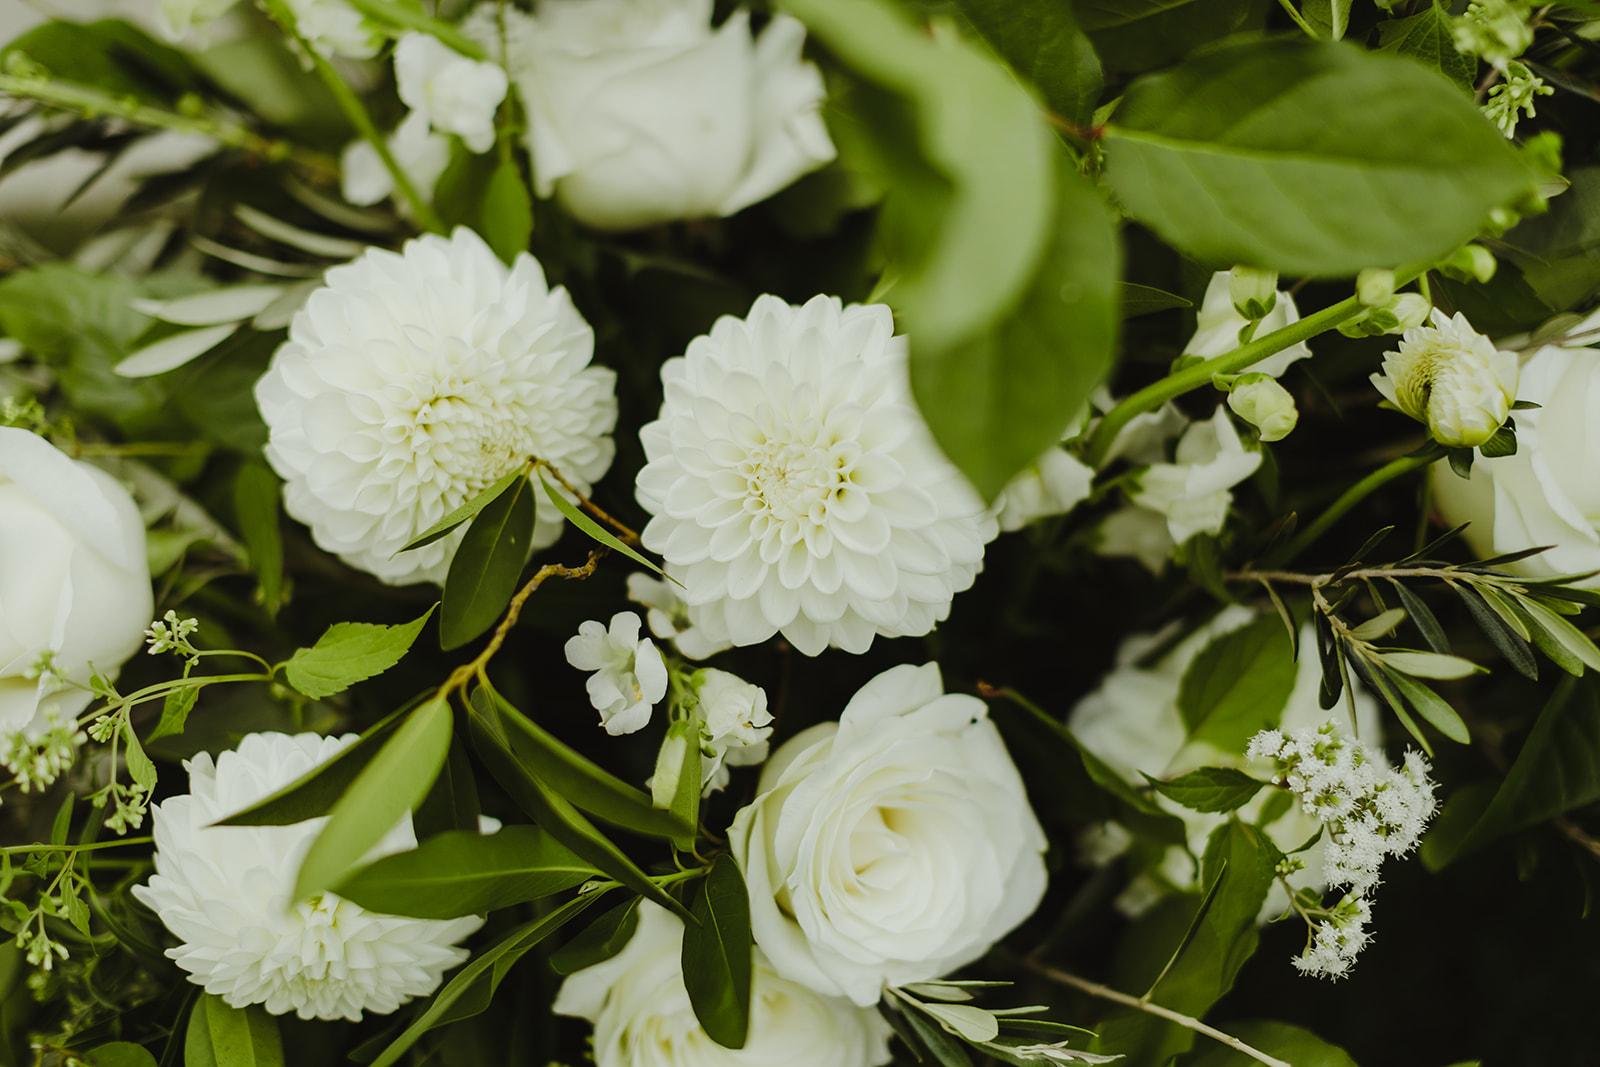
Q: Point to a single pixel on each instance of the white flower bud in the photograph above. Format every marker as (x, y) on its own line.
(1450, 377)
(1410, 311)
(1259, 400)
(1375, 287)
(669, 765)
(1254, 292)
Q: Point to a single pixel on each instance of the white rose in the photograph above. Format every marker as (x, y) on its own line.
(74, 583)
(454, 94)
(1547, 493)
(640, 112)
(1193, 491)
(643, 1017)
(1217, 326)
(890, 847)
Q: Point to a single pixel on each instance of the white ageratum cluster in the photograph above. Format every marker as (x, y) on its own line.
(640, 112)
(643, 1018)
(1369, 811)
(412, 381)
(892, 846)
(794, 487)
(629, 678)
(226, 892)
(452, 93)
(1193, 492)
(1450, 378)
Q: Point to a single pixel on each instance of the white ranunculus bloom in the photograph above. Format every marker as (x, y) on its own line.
(640, 112)
(1546, 494)
(454, 94)
(794, 487)
(422, 154)
(630, 677)
(734, 725)
(1217, 327)
(890, 847)
(412, 381)
(642, 1016)
(1132, 722)
(1054, 485)
(1193, 491)
(226, 892)
(1450, 378)
(74, 581)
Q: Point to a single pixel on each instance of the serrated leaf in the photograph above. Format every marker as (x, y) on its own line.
(1427, 37)
(385, 791)
(718, 955)
(175, 712)
(487, 566)
(465, 511)
(1210, 789)
(351, 652)
(1238, 685)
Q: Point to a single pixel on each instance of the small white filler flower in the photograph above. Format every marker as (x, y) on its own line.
(795, 488)
(411, 382)
(1450, 378)
(455, 94)
(630, 677)
(226, 892)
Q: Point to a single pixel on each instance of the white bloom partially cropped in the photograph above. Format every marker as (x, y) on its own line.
(734, 725)
(410, 382)
(422, 154)
(643, 1017)
(668, 616)
(454, 94)
(892, 846)
(226, 893)
(74, 582)
(1547, 493)
(335, 28)
(1217, 327)
(1054, 485)
(1193, 491)
(794, 487)
(630, 677)
(1450, 378)
(640, 112)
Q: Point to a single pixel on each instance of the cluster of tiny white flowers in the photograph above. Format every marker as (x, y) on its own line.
(171, 634)
(1338, 939)
(37, 761)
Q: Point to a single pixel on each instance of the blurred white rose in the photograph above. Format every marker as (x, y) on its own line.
(74, 584)
(642, 1016)
(890, 847)
(640, 112)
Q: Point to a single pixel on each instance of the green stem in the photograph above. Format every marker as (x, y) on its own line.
(1299, 20)
(15, 849)
(393, 14)
(1350, 498)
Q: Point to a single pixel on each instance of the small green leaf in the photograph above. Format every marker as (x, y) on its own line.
(1379, 625)
(599, 941)
(175, 712)
(120, 1054)
(1555, 636)
(466, 873)
(1427, 38)
(1511, 644)
(1135, 300)
(685, 804)
(256, 492)
(1211, 789)
(583, 522)
(1423, 617)
(396, 780)
(487, 564)
(1433, 707)
(1429, 664)
(350, 652)
(314, 792)
(507, 211)
(465, 511)
(221, 1036)
(139, 766)
(1238, 685)
(718, 955)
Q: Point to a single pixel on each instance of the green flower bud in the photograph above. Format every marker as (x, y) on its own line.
(1259, 400)
(1375, 287)
(1469, 263)
(1254, 292)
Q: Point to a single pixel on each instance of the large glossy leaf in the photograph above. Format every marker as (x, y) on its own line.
(1134, 35)
(396, 780)
(350, 652)
(316, 791)
(223, 1036)
(120, 1054)
(465, 873)
(1238, 685)
(1302, 157)
(484, 571)
(1287, 1042)
(1044, 44)
(718, 954)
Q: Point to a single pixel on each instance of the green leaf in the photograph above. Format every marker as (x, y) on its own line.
(506, 211)
(1043, 44)
(350, 652)
(1433, 707)
(599, 941)
(255, 501)
(1564, 643)
(1136, 300)
(452, 803)
(1135, 35)
(1289, 1043)
(220, 1036)
(685, 801)
(1238, 685)
(110, 55)
(1305, 157)
(466, 873)
(718, 955)
(487, 564)
(140, 769)
(486, 963)
(120, 1054)
(583, 522)
(946, 1049)
(396, 780)
(1423, 617)
(581, 781)
(1427, 38)
(1512, 645)
(465, 511)
(1212, 789)
(175, 712)
(1429, 664)
(1330, 18)
(314, 792)
(1251, 860)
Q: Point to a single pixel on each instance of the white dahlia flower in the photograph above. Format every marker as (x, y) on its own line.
(794, 487)
(410, 382)
(1451, 378)
(226, 892)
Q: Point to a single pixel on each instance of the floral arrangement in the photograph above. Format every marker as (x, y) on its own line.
(822, 533)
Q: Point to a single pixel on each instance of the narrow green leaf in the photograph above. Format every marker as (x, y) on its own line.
(518, 941)
(1135, 300)
(685, 802)
(1433, 707)
(350, 652)
(256, 492)
(1429, 664)
(175, 712)
(1555, 635)
(314, 792)
(487, 564)
(507, 211)
(718, 955)
(465, 511)
(1238, 685)
(945, 1048)
(396, 780)
(1423, 617)
(221, 1036)
(583, 522)
(599, 941)
(1211, 789)
(1510, 644)
(466, 873)
(120, 1054)
(1200, 914)
(139, 766)
(1304, 155)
